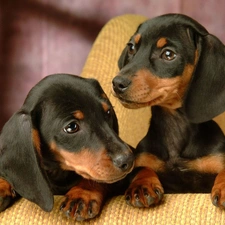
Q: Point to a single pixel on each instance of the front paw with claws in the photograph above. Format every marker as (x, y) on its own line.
(80, 209)
(145, 189)
(7, 194)
(218, 191)
(83, 202)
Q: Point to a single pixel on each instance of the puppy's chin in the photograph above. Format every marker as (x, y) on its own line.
(160, 100)
(134, 105)
(128, 104)
(113, 180)
(108, 181)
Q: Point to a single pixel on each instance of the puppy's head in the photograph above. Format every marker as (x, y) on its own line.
(172, 61)
(66, 120)
(80, 126)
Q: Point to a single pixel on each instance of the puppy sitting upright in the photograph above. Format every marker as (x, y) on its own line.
(174, 65)
(65, 128)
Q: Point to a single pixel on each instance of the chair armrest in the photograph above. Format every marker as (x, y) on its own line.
(102, 65)
(176, 208)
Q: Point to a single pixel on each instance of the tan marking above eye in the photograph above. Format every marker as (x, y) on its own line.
(137, 38)
(105, 106)
(161, 42)
(104, 96)
(78, 115)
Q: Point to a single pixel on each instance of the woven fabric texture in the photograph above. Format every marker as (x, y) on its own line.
(177, 209)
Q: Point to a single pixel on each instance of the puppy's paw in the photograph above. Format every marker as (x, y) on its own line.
(83, 203)
(218, 191)
(143, 195)
(80, 207)
(4, 202)
(218, 195)
(6, 194)
(145, 190)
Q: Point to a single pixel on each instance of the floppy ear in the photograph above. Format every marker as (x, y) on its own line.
(123, 58)
(205, 97)
(20, 163)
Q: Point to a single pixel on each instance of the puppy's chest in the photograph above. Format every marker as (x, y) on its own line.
(175, 134)
(176, 143)
(175, 161)
(179, 173)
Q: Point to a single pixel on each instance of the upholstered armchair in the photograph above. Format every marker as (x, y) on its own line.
(175, 208)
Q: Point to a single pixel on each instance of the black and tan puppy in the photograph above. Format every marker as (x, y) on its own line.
(65, 130)
(174, 65)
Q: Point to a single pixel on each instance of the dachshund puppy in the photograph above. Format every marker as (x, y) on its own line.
(175, 66)
(63, 140)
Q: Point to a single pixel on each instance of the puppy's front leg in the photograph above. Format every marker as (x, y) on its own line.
(218, 190)
(6, 194)
(85, 200)
(145, 189)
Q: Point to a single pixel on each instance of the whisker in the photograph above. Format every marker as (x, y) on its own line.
(178, 95)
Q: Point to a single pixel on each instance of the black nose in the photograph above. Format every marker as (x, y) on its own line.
(124, 162)
(120, 84)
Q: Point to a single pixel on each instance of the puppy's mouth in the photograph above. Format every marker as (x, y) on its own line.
(98, 167)
(114, 180)
(132, 104)
(137, 104)
(163, 99)
(108, 181)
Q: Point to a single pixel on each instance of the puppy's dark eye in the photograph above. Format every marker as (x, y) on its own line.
(108, 112)
(168, 55)
(131, 48)
(71, 128)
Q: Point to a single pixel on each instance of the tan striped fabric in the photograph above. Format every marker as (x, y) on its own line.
(185, 209)
(180, 209)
